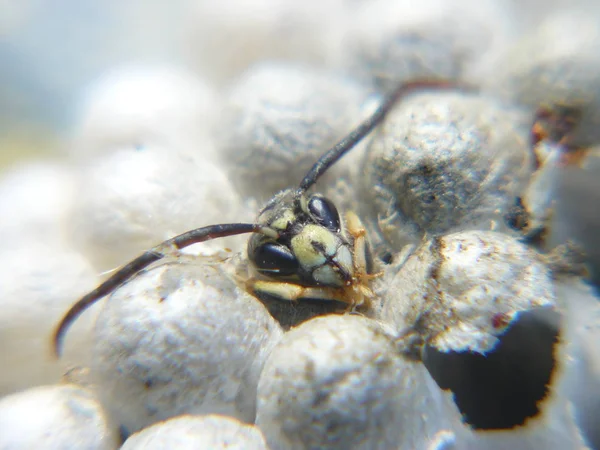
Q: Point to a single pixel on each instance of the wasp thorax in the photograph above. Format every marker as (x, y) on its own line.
(312, 246)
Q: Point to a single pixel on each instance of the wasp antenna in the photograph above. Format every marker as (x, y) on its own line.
(362, 130)
(141, 262)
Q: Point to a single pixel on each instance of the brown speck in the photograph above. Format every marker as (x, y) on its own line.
(573, 157)
(309, 369)
(500, 320)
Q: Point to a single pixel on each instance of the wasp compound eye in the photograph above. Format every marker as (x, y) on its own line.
(324, 212)
(274, 258)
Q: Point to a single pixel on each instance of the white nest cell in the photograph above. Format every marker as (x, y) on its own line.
(486, 309)
(388, 42)
(278, 119)
(142, 105)
(38, 283)
(35, 203)
(133, 198)
(181, 338)
(445, 161)
(339, 382)
(197, 432)
(58, 417)
(464, 289)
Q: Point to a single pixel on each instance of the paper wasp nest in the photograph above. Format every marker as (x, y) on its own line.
(475, 327)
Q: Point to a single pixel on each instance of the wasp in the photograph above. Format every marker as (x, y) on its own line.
(300, 249)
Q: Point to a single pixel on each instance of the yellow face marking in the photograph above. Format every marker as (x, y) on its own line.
(282, 222)
(326, 275)
(283, 291)
(294, 292)
(344, 259)
(302, 245)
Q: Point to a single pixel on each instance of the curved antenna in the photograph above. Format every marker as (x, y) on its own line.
(362, 130)
(144, 260)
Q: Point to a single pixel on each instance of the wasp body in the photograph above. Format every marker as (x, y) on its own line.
(301, 247)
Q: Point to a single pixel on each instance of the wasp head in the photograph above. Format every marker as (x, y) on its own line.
(311, 246)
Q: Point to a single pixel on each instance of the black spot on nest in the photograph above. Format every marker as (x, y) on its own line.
(506, 386)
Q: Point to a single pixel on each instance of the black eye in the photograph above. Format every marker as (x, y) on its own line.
(274, 258)
(325, 212)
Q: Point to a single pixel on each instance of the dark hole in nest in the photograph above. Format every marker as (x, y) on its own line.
(386, 257)
(292, 313)
(505, 387)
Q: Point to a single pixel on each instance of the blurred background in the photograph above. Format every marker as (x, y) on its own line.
(51, 50)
